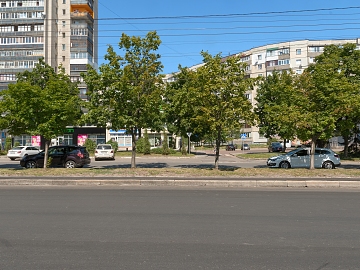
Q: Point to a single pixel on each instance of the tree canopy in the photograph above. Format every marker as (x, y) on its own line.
(41, 102)
(211, 100)
(127, 91)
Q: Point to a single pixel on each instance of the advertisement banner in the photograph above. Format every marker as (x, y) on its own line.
(82, 138)
(35, 140)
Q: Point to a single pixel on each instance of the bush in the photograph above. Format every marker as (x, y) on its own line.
(140, 145)
(114, 145)
(165, 146)
(184, 142)
(159, 151)
(90, 145)
(7, 144)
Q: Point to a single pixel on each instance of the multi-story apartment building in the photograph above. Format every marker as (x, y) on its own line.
(262, 61)
(63, 32)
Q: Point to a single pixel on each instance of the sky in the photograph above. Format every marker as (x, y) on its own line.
(223, 27)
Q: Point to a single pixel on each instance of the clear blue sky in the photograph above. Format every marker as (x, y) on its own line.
(227, 27)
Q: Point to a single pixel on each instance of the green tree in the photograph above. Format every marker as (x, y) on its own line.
(127, 91)
(41, 102)
(211, 100)
(329, 93)
(276, 107)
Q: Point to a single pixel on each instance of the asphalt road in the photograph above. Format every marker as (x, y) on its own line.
(67, 228)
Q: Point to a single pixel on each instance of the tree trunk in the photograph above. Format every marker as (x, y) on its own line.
(346, 146)
(217, 149)
(312, 154)
(284, 148)
(46, 157)
(133, 151)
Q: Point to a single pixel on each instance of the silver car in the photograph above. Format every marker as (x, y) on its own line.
(300, 158)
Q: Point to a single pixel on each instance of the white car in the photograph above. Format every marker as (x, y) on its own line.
(104, 151)
(20, 151)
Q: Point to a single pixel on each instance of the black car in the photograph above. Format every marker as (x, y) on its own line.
(68, 156)
(275, 147)
(230, 147)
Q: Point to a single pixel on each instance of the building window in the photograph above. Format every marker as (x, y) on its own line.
(259, 57)
(63, 35)
(311, 60)
(298, 51)
(298, 71)
(64, 11)
(284, 62)
(284, 51)
(63, 47)
(316, 49)
(64, 1)
(63, 58)
(260, 66)
(298, 62)
(63, 23)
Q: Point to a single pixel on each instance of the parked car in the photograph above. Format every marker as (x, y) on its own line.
(230, 147)
(275, 147)
(245, 146)
(300, 158)
(68, 156)
(20, 151)
(104, 151)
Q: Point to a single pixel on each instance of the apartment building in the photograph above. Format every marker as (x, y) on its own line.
(63, 32)
(263, 60)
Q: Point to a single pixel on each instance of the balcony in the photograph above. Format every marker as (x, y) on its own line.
(82, 16)
(90, 3)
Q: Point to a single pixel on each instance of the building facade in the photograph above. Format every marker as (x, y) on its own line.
(63, 32)
(285, 56)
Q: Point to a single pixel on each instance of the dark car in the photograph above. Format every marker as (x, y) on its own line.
(230, 147)
(275, 147)
(68, 156)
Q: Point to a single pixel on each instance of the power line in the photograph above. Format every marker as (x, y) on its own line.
(229, 15)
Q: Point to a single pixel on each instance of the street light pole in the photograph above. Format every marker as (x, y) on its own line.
(189, 135)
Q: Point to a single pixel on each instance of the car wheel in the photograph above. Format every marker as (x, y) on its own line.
(285, 165)
(30, 164)
(328, 165)
(70, 164)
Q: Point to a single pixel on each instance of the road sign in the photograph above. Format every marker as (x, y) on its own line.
(243, 136)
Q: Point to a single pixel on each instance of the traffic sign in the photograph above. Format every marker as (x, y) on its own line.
(243, 136)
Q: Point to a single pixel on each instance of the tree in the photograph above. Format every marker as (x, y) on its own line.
(41, 102)
(213, 98)
(329, 93)
(276, 106)
(126, 93)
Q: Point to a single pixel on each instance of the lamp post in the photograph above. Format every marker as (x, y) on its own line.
(189, 135)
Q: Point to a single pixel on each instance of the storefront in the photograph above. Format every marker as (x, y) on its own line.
(123, 139)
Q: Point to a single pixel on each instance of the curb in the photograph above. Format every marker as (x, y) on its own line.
(182, 182)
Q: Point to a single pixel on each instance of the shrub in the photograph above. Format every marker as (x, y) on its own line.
(165, 146)
(114, 145)
(7, 144)
(90, 145)
(147, 145)
(184, 142)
